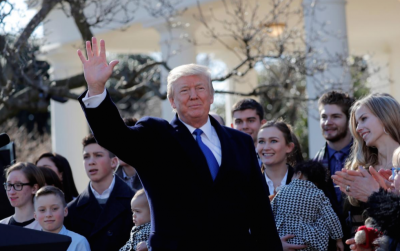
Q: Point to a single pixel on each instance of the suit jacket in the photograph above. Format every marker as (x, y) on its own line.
(331, 194)
(108, 228)
(189, 210)
(330, 191)
(135, 184)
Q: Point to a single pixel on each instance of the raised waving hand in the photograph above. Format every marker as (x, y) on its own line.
(96, 69)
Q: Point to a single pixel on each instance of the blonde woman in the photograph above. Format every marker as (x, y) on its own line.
(375, 126)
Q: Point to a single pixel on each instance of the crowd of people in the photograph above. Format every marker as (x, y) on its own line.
(196, 184)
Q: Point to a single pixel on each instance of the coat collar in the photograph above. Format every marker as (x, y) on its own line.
(111, 210)
(183, 135)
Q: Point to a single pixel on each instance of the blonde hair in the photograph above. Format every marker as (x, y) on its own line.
(387, 110)
(188, 70)
(396, 157)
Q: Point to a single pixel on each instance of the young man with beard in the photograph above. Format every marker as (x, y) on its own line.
(334, 110)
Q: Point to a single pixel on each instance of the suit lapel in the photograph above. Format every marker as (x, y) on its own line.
(227, 145)
(113, 206)
(91, 209)
(182, 134)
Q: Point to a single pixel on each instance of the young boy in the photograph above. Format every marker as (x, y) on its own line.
(141, 217)
(50, 210)
(102, 212)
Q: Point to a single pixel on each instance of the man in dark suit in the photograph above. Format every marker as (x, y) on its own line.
(202, 180)
(101, 213)
(334, 110)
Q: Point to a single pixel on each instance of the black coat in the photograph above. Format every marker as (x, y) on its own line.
(106, 229)
(189, 210)
(136, 183)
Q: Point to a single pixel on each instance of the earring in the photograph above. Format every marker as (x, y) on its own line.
(384, 130)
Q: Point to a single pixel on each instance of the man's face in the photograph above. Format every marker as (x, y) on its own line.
(98, 164)
(333, 122)
(248, 122)
(192, 98)
(50, 213)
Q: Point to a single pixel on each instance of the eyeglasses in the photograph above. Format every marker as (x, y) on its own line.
(395, 171)
(17, 186)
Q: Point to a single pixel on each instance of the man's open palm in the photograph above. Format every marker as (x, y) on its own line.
(96, 69)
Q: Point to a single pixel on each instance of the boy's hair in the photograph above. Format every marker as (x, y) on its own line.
(47, 190)
(91, 140)
(314, 172)
(341, 99)
(248, 103)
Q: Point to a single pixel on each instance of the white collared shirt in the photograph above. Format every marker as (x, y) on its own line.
(270, 183)
(106, 192)
(94, 101)
(209, 138)
(78, 243)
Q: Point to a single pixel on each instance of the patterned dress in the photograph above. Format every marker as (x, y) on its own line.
(303, 210)
(138, 234)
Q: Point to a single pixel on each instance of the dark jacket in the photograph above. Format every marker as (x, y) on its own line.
(330, 191)
(331, 194)
(135, 185)
(384, 208)
(189, 210)
(289, 175)
(106, 229)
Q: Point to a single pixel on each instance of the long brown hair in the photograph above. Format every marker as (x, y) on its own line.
(295, 156)
(31, 172)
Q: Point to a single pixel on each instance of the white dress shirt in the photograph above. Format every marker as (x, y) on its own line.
(209, 135)
(270, 183)
(106, 192)
(209, 138)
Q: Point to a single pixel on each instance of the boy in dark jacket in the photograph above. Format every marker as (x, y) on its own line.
(102, 212)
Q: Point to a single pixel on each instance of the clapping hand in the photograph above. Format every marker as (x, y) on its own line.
(96, 69)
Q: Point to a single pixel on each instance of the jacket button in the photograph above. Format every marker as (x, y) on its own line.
(109, 233)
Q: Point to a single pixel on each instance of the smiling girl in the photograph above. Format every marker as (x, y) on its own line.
(23, 180)
(279, 150)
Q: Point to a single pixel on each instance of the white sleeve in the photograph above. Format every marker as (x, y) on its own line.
(94, 101)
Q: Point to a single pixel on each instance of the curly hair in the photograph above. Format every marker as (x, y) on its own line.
(314, 172)
(341, 99)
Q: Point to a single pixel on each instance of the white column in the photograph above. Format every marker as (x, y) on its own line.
(326, 36)
(394, 70)
(68, 123)
(176, 50)
(243, 84)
